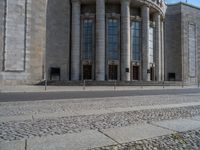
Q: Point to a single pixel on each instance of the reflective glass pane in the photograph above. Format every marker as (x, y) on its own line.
(87, 39)
(112, 39)
(135, 39)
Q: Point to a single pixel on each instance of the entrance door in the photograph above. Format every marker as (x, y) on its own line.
(113, 72)
(87, 72)
(135, 72)
(152, 74)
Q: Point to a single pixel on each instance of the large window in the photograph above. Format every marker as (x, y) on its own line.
(113, 39)
(87, 39)
(151, 45)
(135, 40)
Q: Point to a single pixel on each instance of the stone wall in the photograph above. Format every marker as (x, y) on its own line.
(173, 60)
(2, 12)
(24, 40)
(15, 30)
(180, 48)
(190, 16)
(58, 36)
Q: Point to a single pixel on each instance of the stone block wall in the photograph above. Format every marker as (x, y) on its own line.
(173, 46)
(58, 36)
(190, 16)
(2, 13)
(22, 40)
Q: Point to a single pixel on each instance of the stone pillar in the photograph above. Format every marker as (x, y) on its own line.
(125, 41)
(162, 52)
(75, 51)
(158, 47)
(100, 40)
(145, 43)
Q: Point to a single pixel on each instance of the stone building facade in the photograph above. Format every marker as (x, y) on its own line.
(182, 43)
(98, 40)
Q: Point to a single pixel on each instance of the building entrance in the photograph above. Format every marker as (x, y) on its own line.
(113, 72)
(87, 72)
(152, 74)
(135, 72)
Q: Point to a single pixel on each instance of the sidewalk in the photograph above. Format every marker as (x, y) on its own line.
(92, 139)
(7, 89)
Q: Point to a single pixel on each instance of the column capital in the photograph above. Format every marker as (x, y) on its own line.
(125, 1)
(157, 17)
(75, 1)
(145, 6)
(157, 14)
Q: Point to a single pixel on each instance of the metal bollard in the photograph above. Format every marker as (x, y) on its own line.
(115, 85)
(163, 84)
(84, 85)
(45, 84)
(198, 84)
(182, 84)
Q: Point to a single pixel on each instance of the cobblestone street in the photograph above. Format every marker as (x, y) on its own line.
(27, 120)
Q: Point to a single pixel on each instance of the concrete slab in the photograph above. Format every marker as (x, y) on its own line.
(180, 125)
(15, 118)
(134, 133)
(13, 145)
(78, 141)
(197, 118)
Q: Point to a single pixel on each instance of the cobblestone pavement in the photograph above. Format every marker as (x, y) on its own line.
(67, 106)
(25, 129)
(177, 141)
(15, 130)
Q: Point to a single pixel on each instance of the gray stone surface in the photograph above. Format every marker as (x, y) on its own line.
(56, 40)
(134, 133)
(79, 141)
(100, 40)
(145, 43)
(179, 141)
(190, 15)
(13, 145)
(158, 47)
(15, 35)
(34, 43)
(16, 130)
(179, 18)
(75, 37)
(125, 38)
(180, 125)
(173, 42)
(58, 36)
(2, 28)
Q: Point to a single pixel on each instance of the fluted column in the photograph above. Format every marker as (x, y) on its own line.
(125, 41)
(145, 43)
(158, 47)
(100, 40)
(75, 51)
(162, 52)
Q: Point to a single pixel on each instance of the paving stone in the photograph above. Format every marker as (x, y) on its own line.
(133, 133)
(179, 125)
(13, 145)
(79, 141)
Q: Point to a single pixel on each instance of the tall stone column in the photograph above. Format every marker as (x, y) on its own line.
(162, 52)
(145, 43)
(75, 51)
(100, 40)
(125, 35)
(158, 47)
